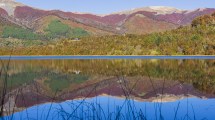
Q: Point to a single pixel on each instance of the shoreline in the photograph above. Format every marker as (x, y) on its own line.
(107, 55)
(45, 57)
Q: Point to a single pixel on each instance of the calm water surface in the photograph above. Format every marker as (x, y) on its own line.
(108, 88)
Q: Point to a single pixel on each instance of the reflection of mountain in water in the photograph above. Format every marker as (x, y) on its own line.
(35, 82)
(110, 108)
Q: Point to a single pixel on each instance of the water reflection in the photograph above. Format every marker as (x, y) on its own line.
(111, 108)
(33, 82)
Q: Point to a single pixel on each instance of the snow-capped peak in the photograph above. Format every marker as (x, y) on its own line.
(163, 8)
(9, 5)
(156, 9)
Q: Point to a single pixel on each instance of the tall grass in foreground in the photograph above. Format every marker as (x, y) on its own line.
(3, 78)
(84, 110)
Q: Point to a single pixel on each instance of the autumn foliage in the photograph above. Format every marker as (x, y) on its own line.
(197, 39)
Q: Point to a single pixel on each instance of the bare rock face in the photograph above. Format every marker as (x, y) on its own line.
(9, 6)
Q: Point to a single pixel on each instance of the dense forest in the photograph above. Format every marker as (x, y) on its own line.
(196, 39)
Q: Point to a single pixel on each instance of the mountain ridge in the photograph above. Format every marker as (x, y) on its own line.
(159, 9)
(137, 21)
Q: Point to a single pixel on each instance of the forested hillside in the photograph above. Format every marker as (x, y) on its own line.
(55, 30)
(197, 39)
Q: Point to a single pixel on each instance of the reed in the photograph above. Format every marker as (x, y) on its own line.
(83, 110)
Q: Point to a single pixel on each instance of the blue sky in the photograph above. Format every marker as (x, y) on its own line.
(109, 6)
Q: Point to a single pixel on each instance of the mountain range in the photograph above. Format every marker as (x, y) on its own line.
(137, 21)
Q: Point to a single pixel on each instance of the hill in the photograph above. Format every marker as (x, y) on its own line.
(196, 39)
(138, 21)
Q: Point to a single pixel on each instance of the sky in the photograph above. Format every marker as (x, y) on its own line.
(110, 6)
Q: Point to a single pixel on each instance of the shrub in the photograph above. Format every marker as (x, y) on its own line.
(206, 20)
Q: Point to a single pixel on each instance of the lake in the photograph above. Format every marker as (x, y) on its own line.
(107, 87)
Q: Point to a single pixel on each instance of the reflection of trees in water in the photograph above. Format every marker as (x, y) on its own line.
(127, 88)
(201, 73)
